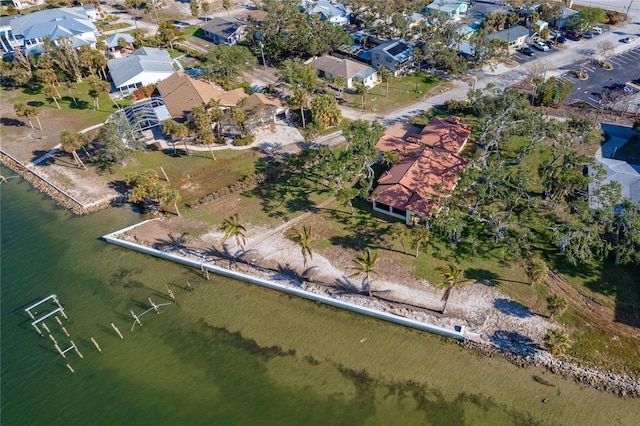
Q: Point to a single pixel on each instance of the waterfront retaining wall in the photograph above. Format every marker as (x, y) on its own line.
(112, 238)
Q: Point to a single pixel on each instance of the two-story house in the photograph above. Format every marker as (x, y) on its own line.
(225, 31)
(394, 55)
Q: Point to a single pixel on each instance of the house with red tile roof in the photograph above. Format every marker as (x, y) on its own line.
(429, 168)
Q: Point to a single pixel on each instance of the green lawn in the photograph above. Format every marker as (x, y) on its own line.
(82, 107)
(402, 91)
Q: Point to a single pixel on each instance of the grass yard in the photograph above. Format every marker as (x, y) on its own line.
(402, 91)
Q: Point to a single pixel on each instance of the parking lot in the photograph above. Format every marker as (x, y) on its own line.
(606, 86)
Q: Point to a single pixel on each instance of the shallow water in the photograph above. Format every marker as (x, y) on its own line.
(229, 352)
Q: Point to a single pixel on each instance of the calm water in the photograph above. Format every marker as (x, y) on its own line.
(229, 353)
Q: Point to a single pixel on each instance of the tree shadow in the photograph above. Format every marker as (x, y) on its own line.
(515, 342)
(32, 89)
(119, 186)
(172, 243)
(35, 104)
(348, 286)
(483, 275)
(79, 104)
(286, 273)
(6, 121)
(512, 308)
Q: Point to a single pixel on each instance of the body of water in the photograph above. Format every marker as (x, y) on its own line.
(230, 353)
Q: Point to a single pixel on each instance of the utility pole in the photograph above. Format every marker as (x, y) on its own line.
(626, 15)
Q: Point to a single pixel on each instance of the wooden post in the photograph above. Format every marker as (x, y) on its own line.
(70, 368)
(55, 299)
(53, 339)
(46, 328)
(31, 315)
(204, 271)
(117, 331)
(189, 286)
(165, 174)
(37, 329)
(171, 295)
(59, 350)
(64, 315)
(58, 320)
(64, 330)
(76, 348)
(153, 305)
(135, 318)
(96, 344)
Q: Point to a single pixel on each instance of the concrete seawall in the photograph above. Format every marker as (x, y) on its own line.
(112, 238)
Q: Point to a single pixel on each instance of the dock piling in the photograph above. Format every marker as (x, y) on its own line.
(59, 350)
(70, 368)
(58, 320)
(64, 330)
(46, 328)
(76, 349)
(116, 330)
(96, 345)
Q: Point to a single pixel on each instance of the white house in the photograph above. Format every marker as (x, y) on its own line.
(334, 13)
(224, 31)
(146, 66)
(448, 7)
(73, 23)
(515, 36)
(353, 72)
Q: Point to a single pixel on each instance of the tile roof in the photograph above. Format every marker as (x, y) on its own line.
(429, 164)
(418, 179)
(448, 134)
(181, 93)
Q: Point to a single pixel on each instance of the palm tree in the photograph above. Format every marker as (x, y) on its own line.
(537, 271)
(233, 227)
(398, 231)
(452, 277)
(420, 235)
(51, 93)
(304, 239)
(391, 158)
(97, 87)
(556, 305)
(339, 82)
(71, 143)
(557, 342)
(385, 76)
(366, 262)
(172, 196)
(362, 90)
(21, 111)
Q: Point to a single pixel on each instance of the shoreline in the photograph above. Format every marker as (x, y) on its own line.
(520, 354)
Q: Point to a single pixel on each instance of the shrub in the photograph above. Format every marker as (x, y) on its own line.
(244, 141)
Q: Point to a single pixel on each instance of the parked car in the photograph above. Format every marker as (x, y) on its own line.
(587, 35)
(596, 30)
(554, 34)
(628, 39)
(573, 36)
(527, 51)
(549, 44)
(540, 46)
(561, 39)
(181, 24)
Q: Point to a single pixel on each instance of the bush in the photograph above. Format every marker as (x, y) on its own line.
(454, 106)
(244, 141)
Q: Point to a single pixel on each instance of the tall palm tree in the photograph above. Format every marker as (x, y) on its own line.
(398, 231)
(233, 227)
(366, 262)
(421, 235)
(71, 143)
(385, 76)
(452, 277)
(303, 238)
(557, 341)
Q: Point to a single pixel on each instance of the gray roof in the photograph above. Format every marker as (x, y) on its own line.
(446, 7)
(5, 21)
(112, 40)
(400, 50)
(53, 23)
(510, 34)
(222, 27)
(146, 59)
(344, 67)
(627, 175)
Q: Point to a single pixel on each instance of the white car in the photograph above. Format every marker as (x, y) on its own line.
(540, 46)
(596, 30)
(628, 39)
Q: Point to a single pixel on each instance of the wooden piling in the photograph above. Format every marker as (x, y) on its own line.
(55, 299)
(37, 329)
(64, 330)
(189, 286)
(154, 306)
(31, 315)
(59, 350)
(70, 368)
(58, 320)
(64, 315)
(53, 339)
(76, 348)
(46, 328)
(171, 295)
(116, 330)
(96, 344)
(135, 318)
(165, 174)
